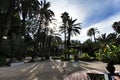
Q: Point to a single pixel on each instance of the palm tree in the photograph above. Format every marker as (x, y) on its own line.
(24, 8)
(42, 18)
(103, 40)
(109, 39)
(116, 27)
(8, 16)
(73, 28)
(89, 33)
(112, 37)
(46, 15)
(92, 32)
(28, 9)
(63, 28)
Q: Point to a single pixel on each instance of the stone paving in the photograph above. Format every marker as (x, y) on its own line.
(52, 70)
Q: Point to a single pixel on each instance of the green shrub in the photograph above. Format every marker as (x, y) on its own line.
(97, 56)
(112, 53)
(55, 57)
(2, 61)
(85, 57)
(63, 58)
(104, 58)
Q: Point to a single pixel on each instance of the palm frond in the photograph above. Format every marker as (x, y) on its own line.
(77, 24)
(73, 21)
(77, 28)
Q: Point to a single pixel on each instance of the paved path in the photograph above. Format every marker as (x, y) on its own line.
(49, 70)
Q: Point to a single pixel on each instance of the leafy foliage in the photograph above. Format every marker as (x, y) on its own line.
(110, 52)
(85, 57)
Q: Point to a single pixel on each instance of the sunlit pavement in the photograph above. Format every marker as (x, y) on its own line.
(49, 70)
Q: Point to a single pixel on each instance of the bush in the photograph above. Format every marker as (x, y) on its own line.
(85, 57)
(55, 57)
(111, 53)
(63, 58)
(104, 58)
(98, 56)
(2, 61)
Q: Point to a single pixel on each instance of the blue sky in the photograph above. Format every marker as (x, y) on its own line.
(91, 13)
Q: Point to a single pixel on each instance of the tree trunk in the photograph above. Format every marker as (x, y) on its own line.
(65, 40)
(91, 38)
(68, 43)
(94, 38)
(23, 24)
(8, 17)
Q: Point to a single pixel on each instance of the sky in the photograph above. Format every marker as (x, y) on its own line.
(100, 14)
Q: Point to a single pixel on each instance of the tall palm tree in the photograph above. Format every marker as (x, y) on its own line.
(109, 39)
(92, 32)
(73, 28)
(63, 28)
(46, 15)
(89, 33)
(9, 10)
(28, 9)
(113, 38)
(24, 7)
(103, 40)
(116, 27)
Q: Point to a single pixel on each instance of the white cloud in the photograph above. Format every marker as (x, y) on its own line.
(81, 10)
(104, 26)
(74, 10)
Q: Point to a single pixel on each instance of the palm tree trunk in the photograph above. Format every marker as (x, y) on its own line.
(8, 18)
(91, 38)
(8, 22)
(65, 43)
(23, 24)
(94, 38)
(65, 38)
(68, 43)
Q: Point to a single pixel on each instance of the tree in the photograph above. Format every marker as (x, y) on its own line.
(28, 9)
(2, 15)
(108, 39)
(18, 47)
(63, 28)
(112, 37)
(103, 41)
(88, 47)
(73, 29)
(92, 32)
(25, 9)
(89, 33)
(46, 15)
(41, 20)
(9, 10)
(116, 27)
